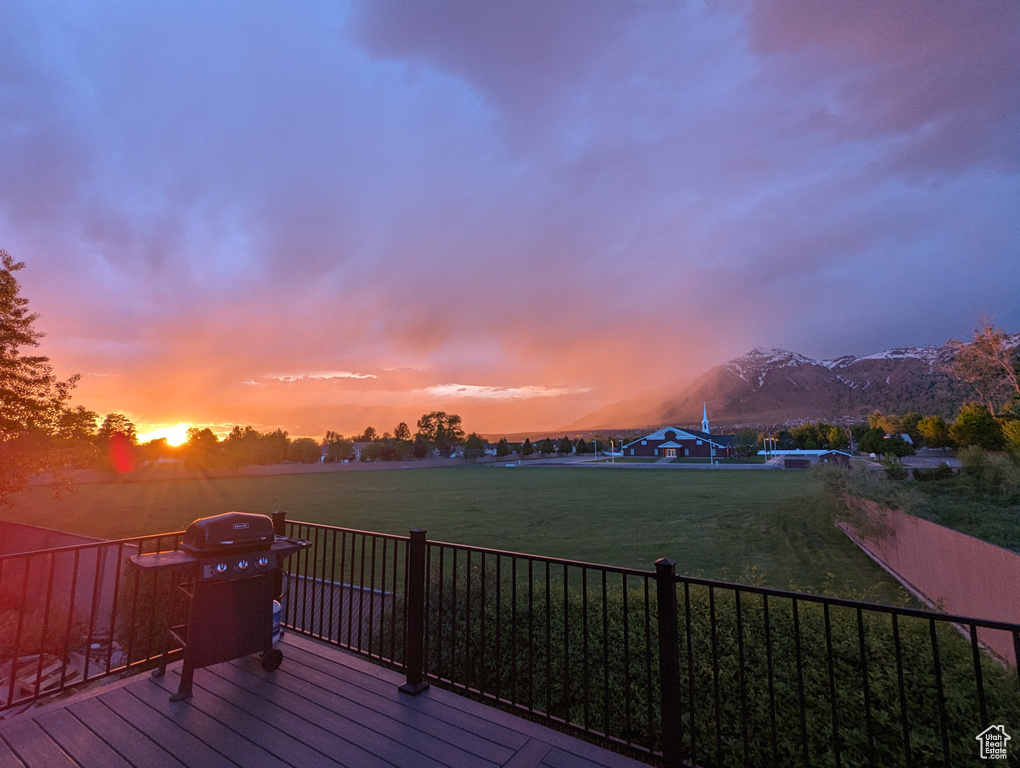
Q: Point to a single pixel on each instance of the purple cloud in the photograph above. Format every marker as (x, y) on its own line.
(570, 198)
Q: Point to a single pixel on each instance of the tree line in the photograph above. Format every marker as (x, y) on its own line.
(41, 430)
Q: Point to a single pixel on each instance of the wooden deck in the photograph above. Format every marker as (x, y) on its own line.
(321, 708)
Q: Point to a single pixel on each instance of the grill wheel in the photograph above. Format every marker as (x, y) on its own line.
(272, 659)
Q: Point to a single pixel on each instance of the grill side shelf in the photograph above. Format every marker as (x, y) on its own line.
(176, 561)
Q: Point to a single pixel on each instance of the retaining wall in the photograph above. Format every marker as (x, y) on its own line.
(950, 570)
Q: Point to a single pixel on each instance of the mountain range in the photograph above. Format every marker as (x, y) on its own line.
(769, 387)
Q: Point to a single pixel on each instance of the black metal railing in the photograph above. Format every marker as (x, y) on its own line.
(73, 614)
(347, 589)
(675, 669)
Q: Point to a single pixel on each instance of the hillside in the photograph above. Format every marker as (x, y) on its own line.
(775, 386)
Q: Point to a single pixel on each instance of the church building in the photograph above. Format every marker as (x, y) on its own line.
(676, 443)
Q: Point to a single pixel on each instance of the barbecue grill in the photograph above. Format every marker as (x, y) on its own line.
(228, 570)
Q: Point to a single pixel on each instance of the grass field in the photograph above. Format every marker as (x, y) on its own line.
(718, 523)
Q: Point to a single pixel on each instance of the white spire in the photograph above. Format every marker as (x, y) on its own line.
(704, 418)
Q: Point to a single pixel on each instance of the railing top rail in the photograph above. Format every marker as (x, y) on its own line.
(845, 602)
(91, 545)
(545, 559)
(324, 527)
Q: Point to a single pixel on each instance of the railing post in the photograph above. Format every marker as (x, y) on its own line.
(280, 529)
(669, 662)
(414, 650)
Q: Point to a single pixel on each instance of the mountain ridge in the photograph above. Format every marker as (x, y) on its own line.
(771, 386)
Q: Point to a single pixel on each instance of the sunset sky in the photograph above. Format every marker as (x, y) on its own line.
(332, 215)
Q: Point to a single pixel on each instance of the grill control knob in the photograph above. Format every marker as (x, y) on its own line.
(241, 565)
(221, 567)
(262, 562)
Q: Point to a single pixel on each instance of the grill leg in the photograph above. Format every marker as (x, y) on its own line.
(175, 586)
(184, 689)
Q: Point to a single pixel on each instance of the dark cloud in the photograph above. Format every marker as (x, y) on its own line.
(575, 199)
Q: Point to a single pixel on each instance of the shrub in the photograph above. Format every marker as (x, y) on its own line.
(941, 472)
(894, 470)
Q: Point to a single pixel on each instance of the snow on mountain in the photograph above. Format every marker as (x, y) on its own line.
(769, 386)
(759, 361)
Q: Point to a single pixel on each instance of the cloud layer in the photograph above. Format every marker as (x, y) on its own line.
(330, 215)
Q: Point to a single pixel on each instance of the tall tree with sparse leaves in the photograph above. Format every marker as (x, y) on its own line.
(990, 363)
(32, 398)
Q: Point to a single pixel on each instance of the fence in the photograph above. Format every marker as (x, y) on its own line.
(72, 614)
(670, 668)
(948, 569)
(674, 669)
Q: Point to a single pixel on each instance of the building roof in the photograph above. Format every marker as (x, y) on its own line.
(721, 441)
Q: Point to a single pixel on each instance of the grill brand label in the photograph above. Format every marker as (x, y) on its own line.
(240, 526)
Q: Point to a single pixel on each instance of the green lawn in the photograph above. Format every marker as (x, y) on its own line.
(714, 523)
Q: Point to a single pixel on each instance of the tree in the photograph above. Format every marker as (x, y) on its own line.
(420, 449)
(565, 446)
(581, 447)
(909, 422)
(975, 425)
(474, 447)
(935, 432)
(806, 436)
(746, 442)
(989, 363)
(367, 436)
(241, 445)
(271, 447)
(204, 451)
(1011, 434)
(402, 432)
(32, 399)
(502, 448)
(77, 423)
(117, 434)
(441, 430)
(305, 450)
(337, 448)
(527, 448)
(546, 447)
(785, 441)
(118, 423)
(871, 441)
(76, 433)
(837, 439)
(896, 446)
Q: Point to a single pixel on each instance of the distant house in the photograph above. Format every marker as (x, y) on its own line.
(676, 443)
(842, 458)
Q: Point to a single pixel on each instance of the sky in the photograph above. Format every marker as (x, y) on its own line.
(331, 215)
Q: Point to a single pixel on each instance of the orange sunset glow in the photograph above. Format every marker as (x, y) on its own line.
(332, 217)
(175, 435)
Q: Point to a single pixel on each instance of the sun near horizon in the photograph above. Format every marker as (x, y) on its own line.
(175, 435)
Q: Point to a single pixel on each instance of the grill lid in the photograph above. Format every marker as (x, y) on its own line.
(229, 532)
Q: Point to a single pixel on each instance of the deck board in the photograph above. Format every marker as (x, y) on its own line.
(81, 743)
(34, 746)
(130, 743)
(322, 708)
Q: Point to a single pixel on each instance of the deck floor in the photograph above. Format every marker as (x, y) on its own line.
(320, 708)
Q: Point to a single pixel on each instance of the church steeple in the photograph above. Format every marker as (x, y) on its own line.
(704, 418)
